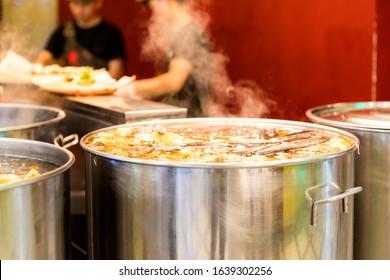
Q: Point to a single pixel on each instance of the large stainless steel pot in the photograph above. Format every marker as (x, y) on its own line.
(296, 209)
(34, 213)
(370, 122)
(34, 122)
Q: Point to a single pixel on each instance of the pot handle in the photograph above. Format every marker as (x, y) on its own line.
(66, 142)
(343, 196)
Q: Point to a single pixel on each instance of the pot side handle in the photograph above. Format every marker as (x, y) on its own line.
(343, 196)
(66, 142)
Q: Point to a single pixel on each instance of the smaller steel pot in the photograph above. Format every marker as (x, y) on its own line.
(34, 122)
(370, 122)
(34, 212)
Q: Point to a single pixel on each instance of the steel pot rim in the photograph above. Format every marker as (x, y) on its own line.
(47, 175)
(259, 121)
(60, 116)
(314, 115)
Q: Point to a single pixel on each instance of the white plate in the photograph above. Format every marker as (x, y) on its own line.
(73, 88)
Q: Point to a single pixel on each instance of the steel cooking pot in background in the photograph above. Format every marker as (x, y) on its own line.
(34, 212)
(34, 122)
(370, 122)
(289, 209)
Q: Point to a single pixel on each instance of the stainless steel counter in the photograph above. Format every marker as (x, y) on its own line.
(108, 108)
(118, 110)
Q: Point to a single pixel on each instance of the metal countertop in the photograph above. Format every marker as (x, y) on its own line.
(120, 110)
(110, 108)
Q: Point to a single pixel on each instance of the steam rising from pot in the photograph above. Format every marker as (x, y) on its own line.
(228, 99)
(24, 29)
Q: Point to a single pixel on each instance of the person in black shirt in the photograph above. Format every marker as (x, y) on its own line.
(185, 79)
(88, 40)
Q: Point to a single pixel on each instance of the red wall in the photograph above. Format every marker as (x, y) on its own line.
(383, 51)
(303, 53)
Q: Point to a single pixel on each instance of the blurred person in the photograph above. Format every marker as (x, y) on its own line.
(87, 40)
(185, 77)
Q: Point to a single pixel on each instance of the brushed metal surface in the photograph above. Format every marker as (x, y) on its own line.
(372, 211)
(26, 121)
(34, 213)
(143, 210)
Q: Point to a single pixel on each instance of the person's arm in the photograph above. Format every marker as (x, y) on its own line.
(116, 68)
(44, 57)
(169, 82)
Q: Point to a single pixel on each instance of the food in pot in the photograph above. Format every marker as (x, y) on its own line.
(14, 169)
(213, 143)
(10, 177)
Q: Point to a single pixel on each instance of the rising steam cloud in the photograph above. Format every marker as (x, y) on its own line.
(26, 25)
(10, 39)
(242, 98)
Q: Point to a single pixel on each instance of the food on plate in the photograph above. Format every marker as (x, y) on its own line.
(216, 143)
(56, 69)
(72, 80)
(80, 75)
(84, 78)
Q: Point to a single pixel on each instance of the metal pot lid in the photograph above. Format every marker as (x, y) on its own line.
(361, 115)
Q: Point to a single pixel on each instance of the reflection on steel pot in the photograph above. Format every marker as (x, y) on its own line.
(266, 204)
(370, 122)
(26, 121)
(34, 206)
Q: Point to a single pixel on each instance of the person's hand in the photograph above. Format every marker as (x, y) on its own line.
(37, 68)
(128, 90)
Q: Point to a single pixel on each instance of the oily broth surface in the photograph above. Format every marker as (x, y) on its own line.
(13, 169)
(211, 143)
